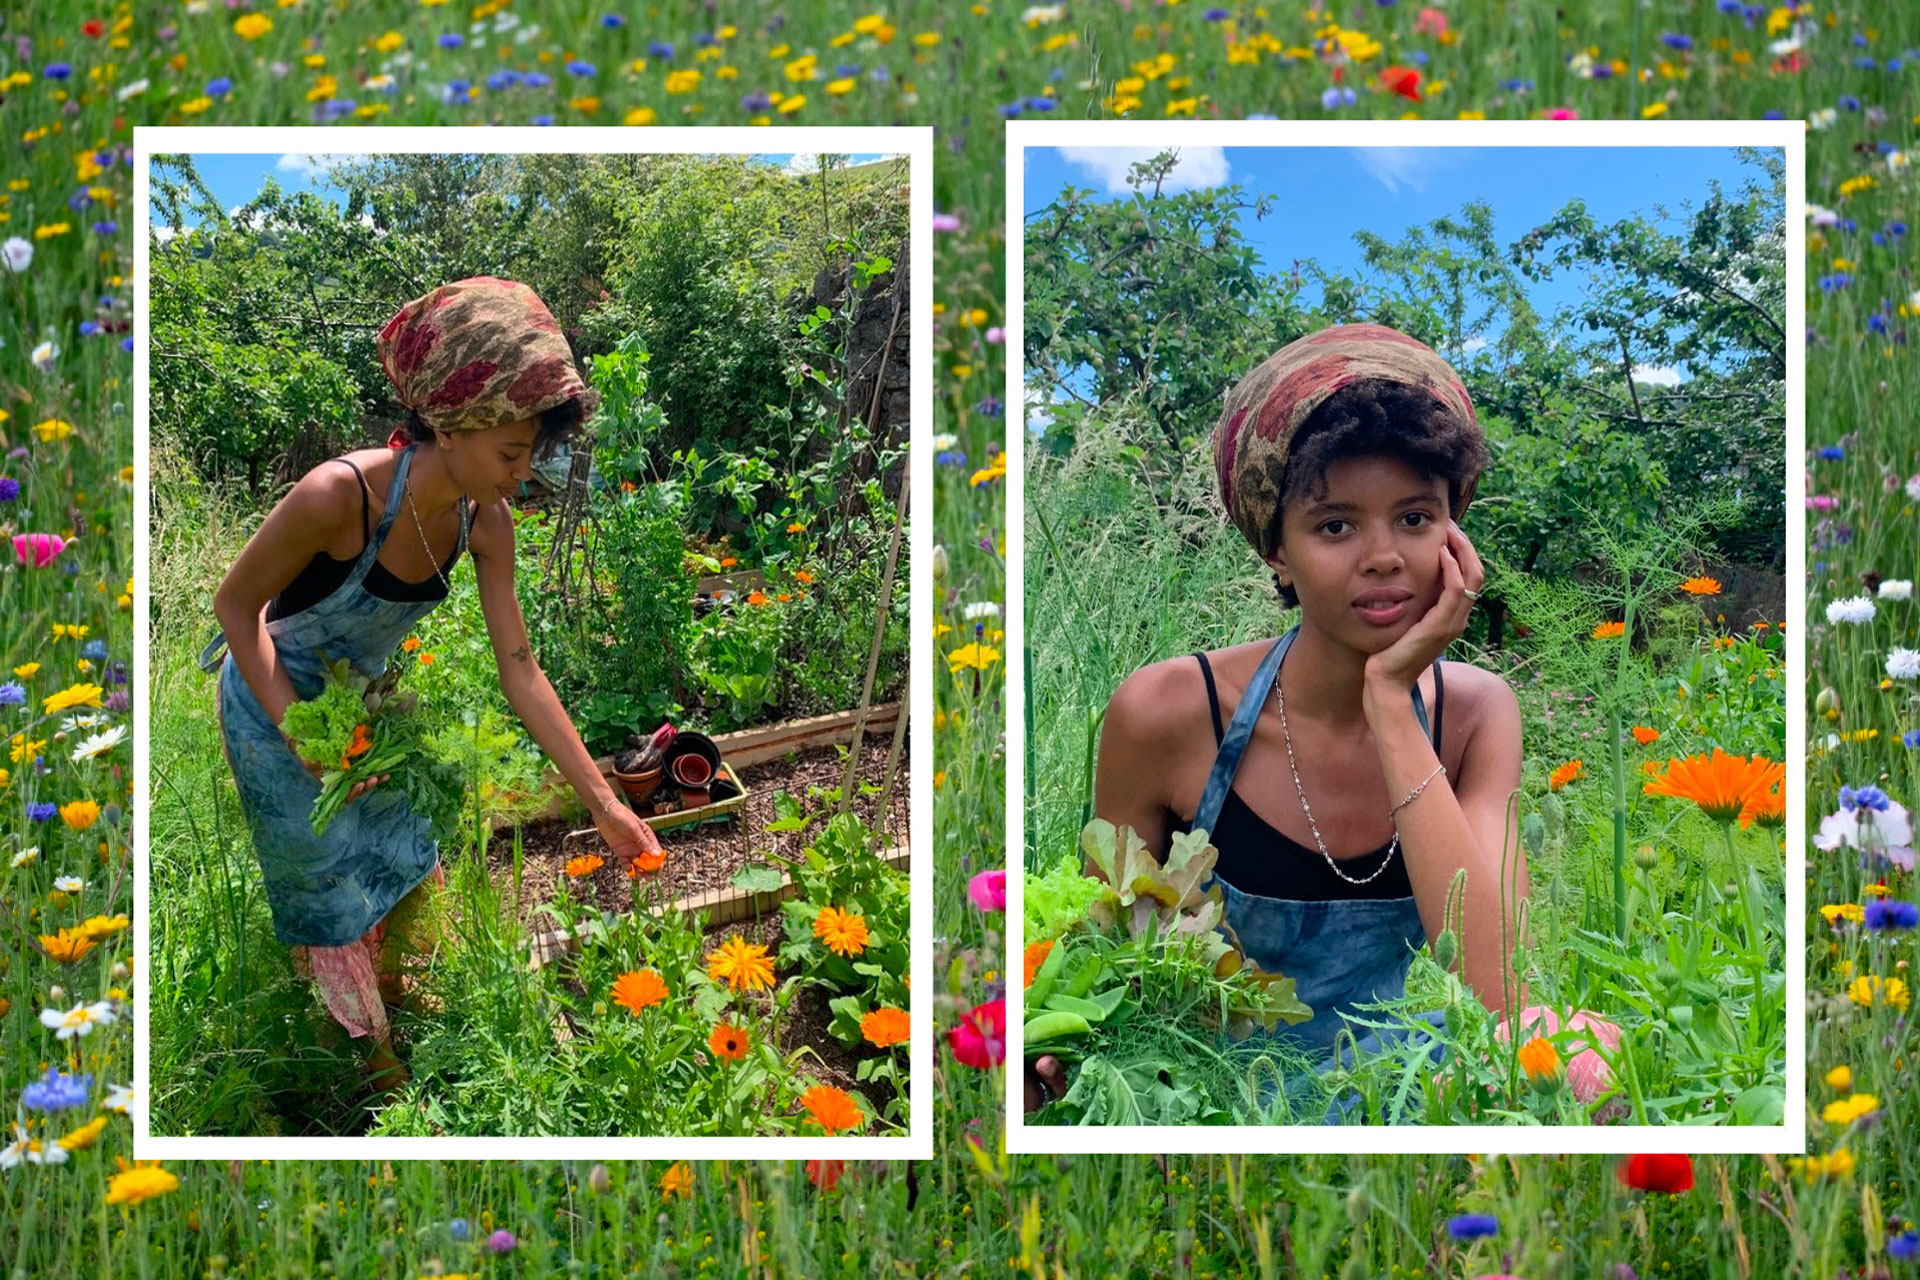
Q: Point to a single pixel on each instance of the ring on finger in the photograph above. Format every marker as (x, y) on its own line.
(1469, 593)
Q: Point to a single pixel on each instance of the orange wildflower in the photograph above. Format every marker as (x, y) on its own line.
(1036, 955)
(1767, 804)
(885, 1026)
(1566, 773)
(585, 865)
(1720, 784)
(727, 562)
(1701, 586)
(1538, 1058)
(677, 1181)
(830, 1108)
(739, 963)
(844, 933)
(648, 861)
(728, 1042)
(756, 597)
(362, 743)
(804, 576)
(410, 643)
(1644, 736)
(638, 988)
(1608, 630)
(67, 945)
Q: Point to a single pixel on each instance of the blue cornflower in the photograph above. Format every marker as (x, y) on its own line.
(106, 228)
(1472, 1226)
(612, 20)
(219, 87)
(1864, 798)
(1011, 110)
(502, 80)
(459, 1229)
(456, 91)
(57, 1091)
(1601, 71)
(94, 650)
(1038, 104)
(1896, 229)
(1864, 63)
(1832, 452)
(1675, 40)
(43, 811)
(542, 121)
(1517, 86)
(1910, 739)
(1905, 1246)
(1217, 15)
(1836, 281)
(1337, 97)
(756, 101)
(879, 75)
(89, 327)
(537, 80)
(452, 40)
(58, 70)
(847, 69)
(79, 200)
(13, 693)
(659, 49)
(1730, 7)
(1772, 113)
(1895, 64)
(1418, 57)
(1859, 40)
(126, 344)
(1849, 103)
(954, 458)
(9, 488)
(706, 40)
(990, 407)
(1848, 225)
(582, 69)
(104, 159)
(1877, 322)
(1891, 913)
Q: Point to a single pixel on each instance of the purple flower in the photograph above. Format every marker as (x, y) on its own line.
(990, 407)
(1886, 914)
(58, 70)
(56, 1091)
(116, 701)
(219, 87)
(1217, 15)
(105, 228)
(1864, 798)
(42, 811)
(1905, 1246)
(659, 49)
(452, 40)
(13, 693)
(946, 222)
(1674, 40)
(612, 20)
(756, 101)
(502, 1241)
(1472, 1226)
(9, 488)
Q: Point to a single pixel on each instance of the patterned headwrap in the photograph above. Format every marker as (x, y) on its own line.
(1250, 441)
(480, 353)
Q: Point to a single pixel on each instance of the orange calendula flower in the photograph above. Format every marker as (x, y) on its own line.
(727, 562)
(756, 597)
(99, 927)
(830, 1108)
(728, 1042)
(638, 988)
(67, 945)
(1644, 736)
(1720, 784)
(885, 1026)
(677, 1181)
(1701, 586)
(741, 964)
(1566, 773)
(585, 865)
(803, 576)
(646, 863)
(1608, 630)
(796, 527)
(1767, 805)
(141, 1180)
(80, 814)
(1036, 955)
(1539, 1059)
(362, 743)
(845, 934)
(410, 643)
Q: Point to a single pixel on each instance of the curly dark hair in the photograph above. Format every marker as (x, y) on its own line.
(1375, 417)
(558, 426)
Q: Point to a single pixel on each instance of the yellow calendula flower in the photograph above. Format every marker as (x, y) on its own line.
(1870, 989)
(26, 669)
(102, 927)
(1844, 1111)
(841, 87)
(24, 751)
(1841, 1077)
(79, 695)
(70, 631)
(978, 657)
(251, 26)
(142, 1180)
(80, 814)
(790, 105)
(67, 945)
(1834, 912)
(52, 430)
(86, 1135)
(641, 115)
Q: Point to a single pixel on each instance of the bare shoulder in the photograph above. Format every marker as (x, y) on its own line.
(492, 532)
(324, 498)
(1160, 706)
(1481, 701)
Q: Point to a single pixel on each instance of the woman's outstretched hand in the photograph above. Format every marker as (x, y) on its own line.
(1046, 1081)
(1428, 638)
(354, 792)
(625, 834)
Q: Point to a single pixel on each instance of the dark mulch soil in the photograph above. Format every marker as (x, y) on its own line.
(703, 856)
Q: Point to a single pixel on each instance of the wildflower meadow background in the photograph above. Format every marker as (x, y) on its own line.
(76, 80)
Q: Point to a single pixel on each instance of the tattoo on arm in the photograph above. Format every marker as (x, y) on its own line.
(520, 654)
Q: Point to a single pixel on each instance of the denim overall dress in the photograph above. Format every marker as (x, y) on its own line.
(326, 890)
(1339, 953)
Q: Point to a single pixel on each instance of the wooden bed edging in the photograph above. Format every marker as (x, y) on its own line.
(725, 906)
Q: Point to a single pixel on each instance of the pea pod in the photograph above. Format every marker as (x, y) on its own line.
(1084, 977)
(1085, 1009)
(1051, 1026)
(1043, 981)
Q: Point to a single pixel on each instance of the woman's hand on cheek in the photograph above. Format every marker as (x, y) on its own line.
(1442, 624)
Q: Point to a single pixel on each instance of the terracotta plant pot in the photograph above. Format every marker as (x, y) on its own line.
(639, 787)
(692, 771)
(692, 798)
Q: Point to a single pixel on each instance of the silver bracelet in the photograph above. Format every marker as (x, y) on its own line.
(1415, 793)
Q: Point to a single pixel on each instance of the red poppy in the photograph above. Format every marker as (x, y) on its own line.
(825, 1174)
(1671, 1174)
(1404, 81)
(94, 27)
(980, 1040)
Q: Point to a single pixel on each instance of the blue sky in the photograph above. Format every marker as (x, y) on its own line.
(236, 179)
(1322, 195)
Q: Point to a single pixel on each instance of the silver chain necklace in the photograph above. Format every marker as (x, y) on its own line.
(428, 547)
(1280, 701)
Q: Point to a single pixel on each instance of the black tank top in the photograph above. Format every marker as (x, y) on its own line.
(1255, 858)
(324, 575)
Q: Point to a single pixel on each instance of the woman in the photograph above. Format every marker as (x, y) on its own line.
(346, 563)
(1343, 777)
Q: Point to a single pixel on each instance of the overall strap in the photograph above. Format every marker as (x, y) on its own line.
(1240, 732)
(364, 565)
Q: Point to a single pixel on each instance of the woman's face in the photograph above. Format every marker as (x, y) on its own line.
(1364, 554)
(492, 464)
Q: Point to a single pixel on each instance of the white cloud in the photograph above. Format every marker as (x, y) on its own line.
(1401, 168)
(310, 167)
(803, 162)
(1472, 345)
(164, 234)
(1659, 375)
(1196, 166)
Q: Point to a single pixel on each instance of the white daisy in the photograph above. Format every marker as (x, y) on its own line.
(69, 884)
(944, 441)
(1903, 664)
(133, 90)
(77, 1021)
(982, 609)
(84, 720)
(25, 856)
(1853, 609)
(100, 743)
(119, 1098)
(30, 1150)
